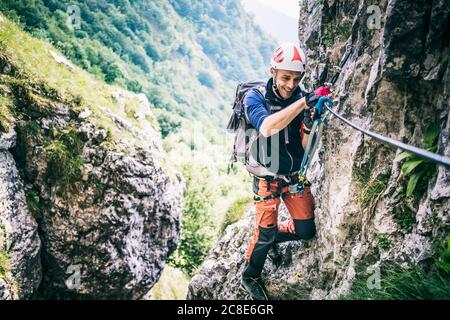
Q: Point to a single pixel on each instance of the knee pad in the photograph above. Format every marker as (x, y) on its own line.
(305, 229)
(268, 234)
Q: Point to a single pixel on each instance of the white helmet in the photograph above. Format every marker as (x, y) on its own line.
(289, 56)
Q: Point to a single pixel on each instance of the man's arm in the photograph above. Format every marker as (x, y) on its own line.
(281, 119)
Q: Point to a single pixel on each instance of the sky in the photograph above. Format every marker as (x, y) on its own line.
(288, 7)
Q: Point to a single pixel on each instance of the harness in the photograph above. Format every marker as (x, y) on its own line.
(311, 147)
(293, 187)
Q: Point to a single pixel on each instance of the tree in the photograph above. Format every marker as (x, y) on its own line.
(198, 228)
(168, 124)
(112, 73)
(206, 79)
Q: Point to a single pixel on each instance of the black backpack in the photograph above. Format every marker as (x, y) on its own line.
(239, 123)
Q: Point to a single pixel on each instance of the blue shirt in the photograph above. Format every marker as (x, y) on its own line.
(256, 108)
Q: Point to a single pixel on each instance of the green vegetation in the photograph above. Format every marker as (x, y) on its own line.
(249, 48)
(235, 212)
(443, 260)
(370, 187)
(336, 31)
(198, 225)
(412, 283)
(420, 170)
(404, 217)
(175, 52)
(172, 285)
(6, 117)
(4, 263)
(398, 283)
(64, 163)
(168, 123)
(4, 259)
(383, 243)
(33, 202)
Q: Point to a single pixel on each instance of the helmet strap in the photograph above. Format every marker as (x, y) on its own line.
(274, 85)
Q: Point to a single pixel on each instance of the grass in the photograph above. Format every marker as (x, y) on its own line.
(370, 187)
(398, 283)
(6, 116)
(74, 86)
(172, 285)
(4, 263)
(235, 212)
(443, 260)
(383, 243)
(64, 160)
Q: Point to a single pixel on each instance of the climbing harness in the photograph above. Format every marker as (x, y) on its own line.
(293, 185)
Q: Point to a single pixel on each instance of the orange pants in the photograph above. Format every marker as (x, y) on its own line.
(267, 232)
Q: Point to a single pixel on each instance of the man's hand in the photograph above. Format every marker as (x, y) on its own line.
(287, 226)
(312, 97)
(323, 92)
(311, 100)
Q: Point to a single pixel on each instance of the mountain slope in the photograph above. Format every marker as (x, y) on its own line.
(181, 63)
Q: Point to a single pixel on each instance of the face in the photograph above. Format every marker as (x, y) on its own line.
(287, 81)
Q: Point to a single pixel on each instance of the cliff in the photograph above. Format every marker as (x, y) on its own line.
(88, 207)
(396, 82)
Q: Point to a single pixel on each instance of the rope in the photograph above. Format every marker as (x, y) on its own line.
(440, 159)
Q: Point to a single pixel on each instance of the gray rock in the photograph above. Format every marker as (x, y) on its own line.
(18, 235)
(116, 243)
(7, 140)
(5, 293)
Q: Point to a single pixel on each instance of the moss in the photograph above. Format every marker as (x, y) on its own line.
(4, 263)
(64, 160)
(6, 117)
(336, 31)
(33, 203)
(404, 217)
(383, 243)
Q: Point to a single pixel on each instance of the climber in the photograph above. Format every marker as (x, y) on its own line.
(282, 114)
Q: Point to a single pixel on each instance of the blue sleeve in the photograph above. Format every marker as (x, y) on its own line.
(256, 108)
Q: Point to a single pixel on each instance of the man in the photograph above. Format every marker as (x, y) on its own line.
(282, 117)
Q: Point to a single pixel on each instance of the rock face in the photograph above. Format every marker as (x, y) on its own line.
(107, 214)
(19, 240)
(111, 235)
(396, 82)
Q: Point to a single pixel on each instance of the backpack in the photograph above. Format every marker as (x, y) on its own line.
(239, 124)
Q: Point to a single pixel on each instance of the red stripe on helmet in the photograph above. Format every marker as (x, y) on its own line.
(297, 56)
(278, 55)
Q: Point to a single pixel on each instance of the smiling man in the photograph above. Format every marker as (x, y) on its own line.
(282, 115)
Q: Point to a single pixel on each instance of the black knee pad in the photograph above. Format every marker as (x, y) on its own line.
(267, 234)
(305, 229)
